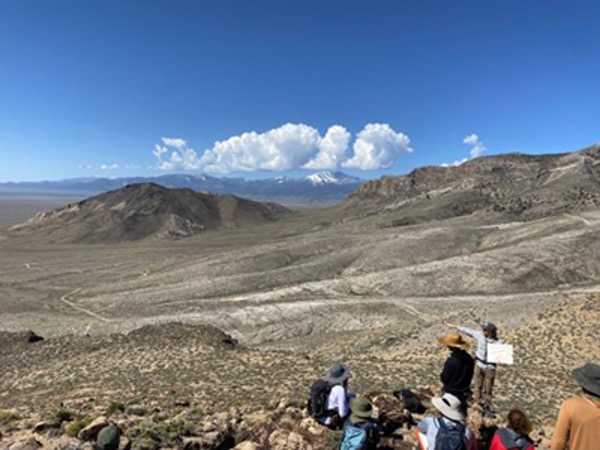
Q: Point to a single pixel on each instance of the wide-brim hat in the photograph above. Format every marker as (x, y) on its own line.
(453, 339)
(449, 406)
(338, 373)
(360, 408)
(588, 376)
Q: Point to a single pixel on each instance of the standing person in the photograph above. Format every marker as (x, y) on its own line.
(516, 435)
(447, 431)
(485, 371)
(578, 424)
(458, 369)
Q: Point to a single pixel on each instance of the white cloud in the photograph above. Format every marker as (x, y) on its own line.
(289, 147)
(376, 147)
(175, 142)
(159, 151)
(333, 149)
(478, 148)
(109, 166)
(285, 148)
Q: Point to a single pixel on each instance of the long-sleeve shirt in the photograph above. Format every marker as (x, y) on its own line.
(482, 343)
(457, 373)
(578, 425)
(338, 402)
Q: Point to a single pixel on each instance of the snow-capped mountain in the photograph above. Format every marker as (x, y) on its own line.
(327, 177)
(321, 187)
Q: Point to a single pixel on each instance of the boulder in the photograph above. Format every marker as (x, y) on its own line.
(31, 337)
(27, 444)
(90, 432)
(284, 440)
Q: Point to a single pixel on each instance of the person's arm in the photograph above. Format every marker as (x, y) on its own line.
(473, 333)
(424, 425)
(339, 402)
(562, 428)
(447, 371)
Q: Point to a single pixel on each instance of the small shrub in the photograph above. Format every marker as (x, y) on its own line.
(115, 407)
(64, 415)
(73, 428)
(7, 417)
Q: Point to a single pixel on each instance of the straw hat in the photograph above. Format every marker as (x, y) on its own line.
(453, 339)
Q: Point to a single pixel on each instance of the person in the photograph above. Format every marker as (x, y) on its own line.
(516, 435)
(337, 405)
(449, 423)
(108, 438)
(457, 373)
(485, 371)
(578, 424)
(360, 430)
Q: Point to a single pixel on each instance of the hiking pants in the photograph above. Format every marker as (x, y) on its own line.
(484, 382)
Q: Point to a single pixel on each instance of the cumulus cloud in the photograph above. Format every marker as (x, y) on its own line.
(285, 148)
(333, 149)
(478, 148)
(289, 147)
(376, 147)
(175, 142)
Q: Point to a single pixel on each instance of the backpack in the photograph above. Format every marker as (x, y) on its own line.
(317, 399)
(450, 438)
(411, 402)
(356, 437)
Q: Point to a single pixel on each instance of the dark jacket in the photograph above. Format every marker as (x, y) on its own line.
(458, 372)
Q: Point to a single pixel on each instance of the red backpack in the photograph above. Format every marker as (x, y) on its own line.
(501, 444)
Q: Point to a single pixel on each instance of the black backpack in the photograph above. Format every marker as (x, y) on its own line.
(411, 401)
(317, 400)
(450, 438)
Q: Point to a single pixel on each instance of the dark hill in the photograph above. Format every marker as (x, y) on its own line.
(139, 211)
(515, 184)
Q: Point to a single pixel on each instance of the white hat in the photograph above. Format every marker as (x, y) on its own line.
(449, 406)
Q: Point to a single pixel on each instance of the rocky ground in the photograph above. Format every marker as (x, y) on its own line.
(191, 386)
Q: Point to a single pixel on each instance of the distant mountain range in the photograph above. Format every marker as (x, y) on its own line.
(322, 187)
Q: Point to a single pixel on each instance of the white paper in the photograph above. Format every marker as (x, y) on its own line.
(500, 353)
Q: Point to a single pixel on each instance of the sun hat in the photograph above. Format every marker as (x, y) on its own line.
(338, 373)
(489, 326)
(449, 406)
(360, 408)
(588, 376)
(108, 438)
(453, 339)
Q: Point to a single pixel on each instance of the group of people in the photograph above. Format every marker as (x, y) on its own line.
(577, 427)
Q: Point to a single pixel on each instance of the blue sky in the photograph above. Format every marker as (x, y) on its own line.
(266, 88)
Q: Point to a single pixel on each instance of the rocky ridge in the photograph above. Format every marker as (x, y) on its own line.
(514, 184)
(140, 211)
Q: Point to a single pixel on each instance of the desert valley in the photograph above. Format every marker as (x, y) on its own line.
(200, 320)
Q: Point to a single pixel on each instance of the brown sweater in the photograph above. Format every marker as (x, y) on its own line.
(578, 425)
